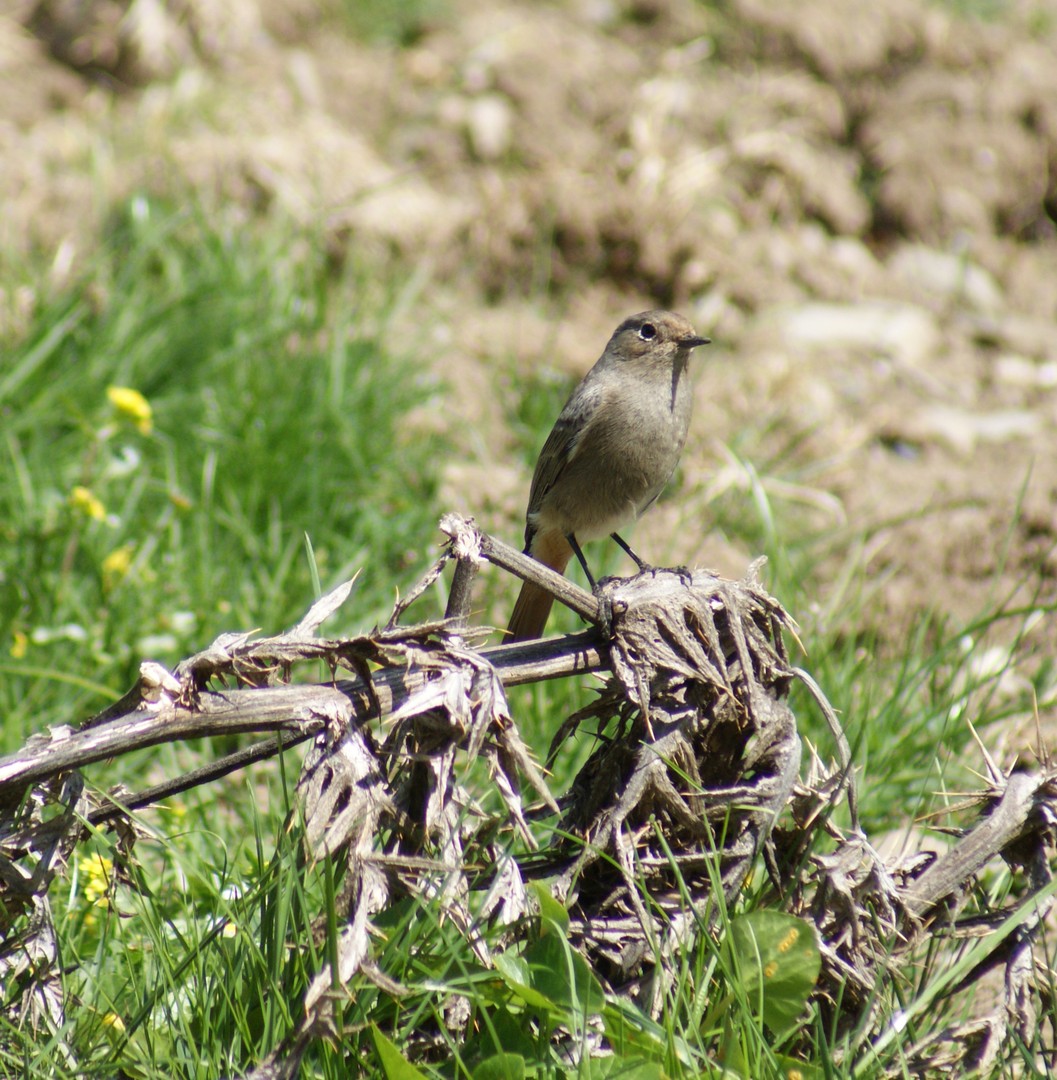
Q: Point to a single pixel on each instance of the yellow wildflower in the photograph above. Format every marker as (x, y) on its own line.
(82, 499)
(133, 406)
(115, 566)
(114, 1029)
(20, 645)
(112, 1020)
(97, 871)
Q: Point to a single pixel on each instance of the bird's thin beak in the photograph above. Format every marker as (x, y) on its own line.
(693, 342)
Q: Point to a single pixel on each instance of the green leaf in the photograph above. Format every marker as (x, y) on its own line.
(612, 1068)
(503, 1033)
(629, 1030)
(518, 976)
(394, 1064)
(500, 1067)
(550, 910)
(793, 1069)
(777, 959)
(562, 975)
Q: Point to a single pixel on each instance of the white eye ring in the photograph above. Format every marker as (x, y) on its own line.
(647, 331)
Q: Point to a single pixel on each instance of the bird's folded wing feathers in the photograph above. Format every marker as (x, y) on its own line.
(562, 443)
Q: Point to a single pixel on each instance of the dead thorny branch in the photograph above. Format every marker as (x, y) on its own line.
(697, 758)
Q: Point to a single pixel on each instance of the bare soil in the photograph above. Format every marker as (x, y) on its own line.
(856, 202)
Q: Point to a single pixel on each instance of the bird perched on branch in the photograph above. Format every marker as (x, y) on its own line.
(613, 448)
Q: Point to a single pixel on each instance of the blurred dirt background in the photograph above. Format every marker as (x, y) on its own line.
(857, 202)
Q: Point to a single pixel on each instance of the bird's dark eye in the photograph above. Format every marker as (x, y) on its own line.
(647, 331)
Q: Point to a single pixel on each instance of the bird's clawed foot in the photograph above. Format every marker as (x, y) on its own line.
(605, 609)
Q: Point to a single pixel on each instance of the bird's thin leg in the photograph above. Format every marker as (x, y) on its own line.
(605, 608)
(643, 566)
(580, 555)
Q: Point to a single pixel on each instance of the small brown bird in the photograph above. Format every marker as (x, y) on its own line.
(614, 446)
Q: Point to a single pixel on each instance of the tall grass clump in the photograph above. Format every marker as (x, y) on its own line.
(173, 427)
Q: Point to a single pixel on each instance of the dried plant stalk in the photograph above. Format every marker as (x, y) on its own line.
(697, 759)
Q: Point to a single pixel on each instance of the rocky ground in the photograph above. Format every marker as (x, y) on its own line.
(856, 202)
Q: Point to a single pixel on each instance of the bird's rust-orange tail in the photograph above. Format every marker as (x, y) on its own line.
(533, 603)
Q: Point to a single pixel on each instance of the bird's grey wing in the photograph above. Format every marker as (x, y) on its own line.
(560, 447)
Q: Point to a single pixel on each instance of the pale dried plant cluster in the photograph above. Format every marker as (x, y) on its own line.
(696, 778)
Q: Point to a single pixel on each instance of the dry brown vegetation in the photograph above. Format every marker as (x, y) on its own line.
(697, 672)
(669, 813)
